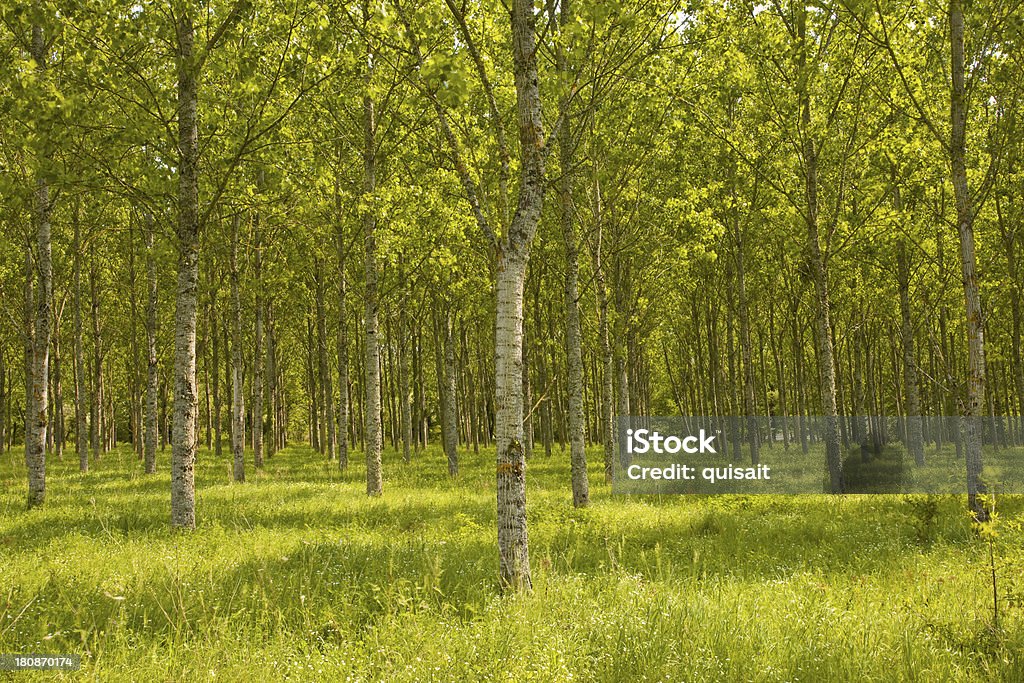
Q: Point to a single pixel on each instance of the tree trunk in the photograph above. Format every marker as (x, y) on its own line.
(404, 386)
(81, 392)
(371, 361)
(29, 336)
(749, 403)
(313, 389)
(237, 399)
(149, 446)
(540, 359)
(512, 532)
(183, 453)
(449, 397)
(513, 254)
(607, 356)
(97, 362)
(775, 340)
(56, 435)
(35, 453)
(273, 403)
(528, 436)
(328, 430)
(132, 361)
(912, 408)
(972, 294)
(207, 314)
(819, 273)
(573, 334)
(343, 405)
(258, 352)
(218, 411)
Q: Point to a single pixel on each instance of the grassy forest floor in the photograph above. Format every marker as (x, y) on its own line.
(297, 575)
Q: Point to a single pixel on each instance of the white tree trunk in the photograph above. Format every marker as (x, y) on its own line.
(513, 254)
(371, 361)
(35, 453)
(183, 453)
(513, 543)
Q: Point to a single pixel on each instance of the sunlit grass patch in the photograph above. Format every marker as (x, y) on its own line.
(297, 574)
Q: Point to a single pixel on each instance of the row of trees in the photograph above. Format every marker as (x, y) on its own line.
(292, 221)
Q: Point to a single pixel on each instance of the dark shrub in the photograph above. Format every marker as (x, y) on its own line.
(881, 469)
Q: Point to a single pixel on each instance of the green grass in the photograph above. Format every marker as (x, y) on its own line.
(296, 575)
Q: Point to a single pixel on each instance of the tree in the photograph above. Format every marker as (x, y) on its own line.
(186, 398)
(36, 410)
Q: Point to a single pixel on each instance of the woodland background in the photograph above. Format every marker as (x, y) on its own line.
(426, 236)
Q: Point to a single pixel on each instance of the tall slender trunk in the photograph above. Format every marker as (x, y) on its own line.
(273, 424)
(573, 334)
(258, 351)
(735, 399)
(218, 411)
(257, 386)
(449, 423)
(749, 403)
(97, 362)
(604, 333)
(149, 446)
(819, 273)
(419, 388)
(912, 408)
(132, 362)
(541, 362)
(56, 435)
(237, 399)
(343, 405)
(972, 294)
(328, 430)
(513, 254)
(29, 336)
(404, 386)
(35, 453)
(621, 287)
(207, 399)
(183, 453)
(782, 411)
(371, 361)
(81, 392)
(528, 422)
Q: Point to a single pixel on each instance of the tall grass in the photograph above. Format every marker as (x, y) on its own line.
(297, 575)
